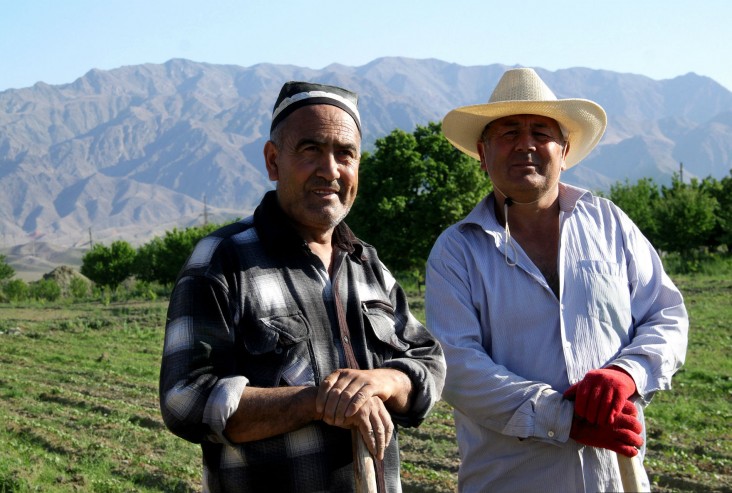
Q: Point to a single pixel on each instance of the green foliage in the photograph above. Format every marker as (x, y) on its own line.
(6, 271)
(79, 288)
(161, 259)
(691, 223)
(638, 201)
(144, 290)
(45, 290)
(410, 189)
(109, 265)
(16, 290)
(722, 192)
(685, 217)
(149, 260)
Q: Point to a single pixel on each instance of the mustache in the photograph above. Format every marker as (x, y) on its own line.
(321, 183)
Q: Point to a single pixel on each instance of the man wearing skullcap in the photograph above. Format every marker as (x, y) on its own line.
(286, 337)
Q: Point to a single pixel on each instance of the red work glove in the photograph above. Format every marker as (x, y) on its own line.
(622, 437)
(600, 396)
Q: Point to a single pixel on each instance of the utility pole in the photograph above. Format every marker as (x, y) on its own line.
(681, 172)
(205, 211)
(91, 243)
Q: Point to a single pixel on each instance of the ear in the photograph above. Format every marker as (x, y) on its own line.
(270, 160)
(564, 156)
(481, 153)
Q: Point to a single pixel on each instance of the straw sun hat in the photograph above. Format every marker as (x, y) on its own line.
(521, 92)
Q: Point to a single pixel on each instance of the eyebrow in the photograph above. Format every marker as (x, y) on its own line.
(308, 141)
(351, 146)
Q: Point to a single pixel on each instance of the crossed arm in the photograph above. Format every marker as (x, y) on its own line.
(347, 398)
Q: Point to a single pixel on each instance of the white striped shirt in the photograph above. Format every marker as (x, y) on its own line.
(512, 347)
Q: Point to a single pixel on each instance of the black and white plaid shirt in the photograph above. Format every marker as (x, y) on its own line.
(253, 306)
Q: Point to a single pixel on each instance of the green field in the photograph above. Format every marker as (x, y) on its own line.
(79, 409)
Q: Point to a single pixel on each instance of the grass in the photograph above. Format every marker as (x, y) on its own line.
(689, 435)
(79, 409)
(79, 405)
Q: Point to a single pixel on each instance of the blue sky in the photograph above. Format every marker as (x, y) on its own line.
(57, 41)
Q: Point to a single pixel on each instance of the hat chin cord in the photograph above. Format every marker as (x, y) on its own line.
(508, 202)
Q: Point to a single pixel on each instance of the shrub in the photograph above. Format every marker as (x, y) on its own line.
(79, 288)
(16, 290)
(45, 289)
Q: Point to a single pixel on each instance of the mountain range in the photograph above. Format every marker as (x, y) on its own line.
(133, 152)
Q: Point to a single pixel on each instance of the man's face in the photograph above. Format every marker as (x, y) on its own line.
(523, 155)
(315, 163)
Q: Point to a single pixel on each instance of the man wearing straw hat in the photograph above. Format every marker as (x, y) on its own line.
(557, 319)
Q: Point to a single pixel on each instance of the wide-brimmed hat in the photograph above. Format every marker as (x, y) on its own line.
(522, 92)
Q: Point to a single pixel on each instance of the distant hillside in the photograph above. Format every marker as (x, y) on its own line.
(132, 152)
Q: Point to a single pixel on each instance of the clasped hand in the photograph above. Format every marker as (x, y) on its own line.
(600, 396)
(622, 437)
(603, 414)
(350, 398)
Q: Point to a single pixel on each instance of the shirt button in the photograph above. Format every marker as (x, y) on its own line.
(550, 434)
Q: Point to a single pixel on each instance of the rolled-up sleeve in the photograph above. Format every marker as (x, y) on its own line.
(197, 334)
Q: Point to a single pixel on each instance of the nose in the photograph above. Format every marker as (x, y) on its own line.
(525, 141)
(328, 168)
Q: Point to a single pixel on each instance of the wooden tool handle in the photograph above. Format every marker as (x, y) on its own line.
(364, 469)
(632, 474)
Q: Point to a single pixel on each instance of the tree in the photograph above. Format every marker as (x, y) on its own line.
(150, 260)
(411, 188)
(109, 266)
(685, 216)
(638, 202)
(722, 192)
(161, 259)
(6, 271)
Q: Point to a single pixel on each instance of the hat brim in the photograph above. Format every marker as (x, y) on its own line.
(584, 121)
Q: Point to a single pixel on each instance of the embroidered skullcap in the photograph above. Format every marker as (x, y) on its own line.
(294, 95)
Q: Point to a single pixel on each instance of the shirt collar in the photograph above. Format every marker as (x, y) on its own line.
(483, 216)
(569, 195)
(277, 233)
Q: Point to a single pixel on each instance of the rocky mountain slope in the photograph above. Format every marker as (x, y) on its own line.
(132, 152)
